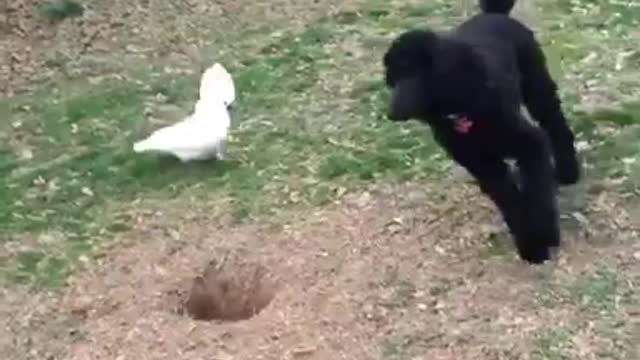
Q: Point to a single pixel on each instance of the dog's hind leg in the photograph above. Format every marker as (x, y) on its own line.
(541, 98)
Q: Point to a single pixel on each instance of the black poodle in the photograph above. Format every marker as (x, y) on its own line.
(468, 86)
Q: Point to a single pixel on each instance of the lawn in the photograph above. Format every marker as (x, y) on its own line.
(382, 253)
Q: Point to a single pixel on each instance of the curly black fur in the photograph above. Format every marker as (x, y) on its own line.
(468, 86)
(497, 6)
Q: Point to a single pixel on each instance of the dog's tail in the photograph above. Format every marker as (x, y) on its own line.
(497, 6)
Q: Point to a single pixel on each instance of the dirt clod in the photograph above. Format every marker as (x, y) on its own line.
(230, 292)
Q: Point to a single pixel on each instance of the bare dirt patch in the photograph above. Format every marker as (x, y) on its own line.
(395, 273)
(119, 37)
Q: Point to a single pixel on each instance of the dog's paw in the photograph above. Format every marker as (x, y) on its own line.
(533, 248)
(538, 238)
(535, 255)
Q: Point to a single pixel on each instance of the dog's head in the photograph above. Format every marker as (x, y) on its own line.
(425, 71)
(408, 67)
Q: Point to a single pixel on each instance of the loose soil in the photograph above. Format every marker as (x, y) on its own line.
(229, 290)
(396, 272)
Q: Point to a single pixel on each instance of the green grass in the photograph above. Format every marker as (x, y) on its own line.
(597, 67)
(291, 144)
(597, 299)
(553, 345)
(612, 133)
(58, 10)
(397, 348)
(80, 136)
(602, 292)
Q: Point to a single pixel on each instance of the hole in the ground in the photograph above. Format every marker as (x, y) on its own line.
(230, 291)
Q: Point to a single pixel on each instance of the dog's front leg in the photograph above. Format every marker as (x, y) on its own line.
(541, 229)
(496, 181)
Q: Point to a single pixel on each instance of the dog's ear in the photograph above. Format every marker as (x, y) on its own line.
(413, 46)
(426, 42)
(410, 54)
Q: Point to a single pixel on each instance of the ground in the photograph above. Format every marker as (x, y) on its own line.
(378, 249)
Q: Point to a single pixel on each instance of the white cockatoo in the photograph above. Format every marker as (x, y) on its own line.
(203, 134)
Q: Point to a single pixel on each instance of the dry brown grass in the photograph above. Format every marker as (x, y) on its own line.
(114, 38)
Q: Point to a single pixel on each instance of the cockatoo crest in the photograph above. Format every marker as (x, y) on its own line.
(216, 83)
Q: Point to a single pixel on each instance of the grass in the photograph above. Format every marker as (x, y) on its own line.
(284, 151)
(598, 298)
(553, 345)
(58, 10)
(279, 156)
(294, 142)
(309, 126)
(397, 348)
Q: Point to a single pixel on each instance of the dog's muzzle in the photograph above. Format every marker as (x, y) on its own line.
(405, 100)
(397, 110)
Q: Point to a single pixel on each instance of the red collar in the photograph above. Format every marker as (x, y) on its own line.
(462, 124)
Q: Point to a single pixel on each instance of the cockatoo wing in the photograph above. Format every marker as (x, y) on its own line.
(189, 139)
(163, 138)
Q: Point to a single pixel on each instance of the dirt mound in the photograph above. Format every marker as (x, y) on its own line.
(227, 291)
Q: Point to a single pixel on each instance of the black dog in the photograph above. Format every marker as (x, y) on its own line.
(468, 86)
